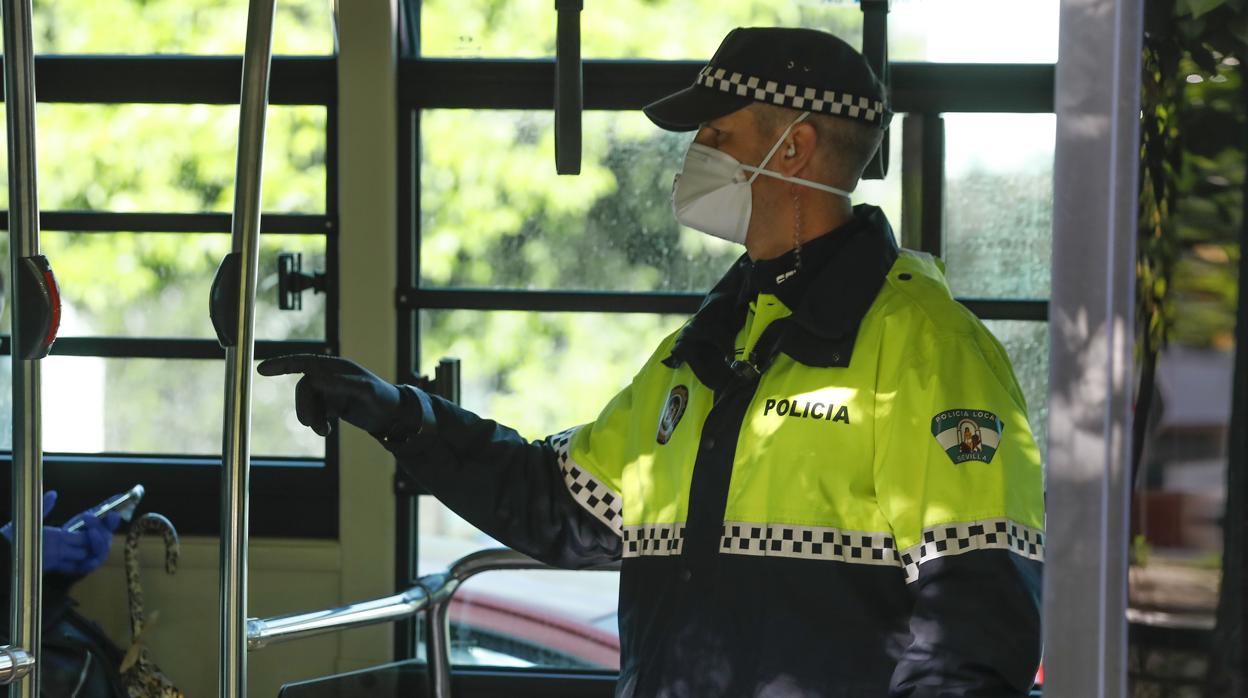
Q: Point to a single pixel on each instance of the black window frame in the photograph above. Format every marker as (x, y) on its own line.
(292, 497)
(922, 92)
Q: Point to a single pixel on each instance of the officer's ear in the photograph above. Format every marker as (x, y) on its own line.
(798, 149)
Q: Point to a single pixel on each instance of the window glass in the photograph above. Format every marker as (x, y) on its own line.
(157, 284)
(1186, 577)
(1179, 514)
(1027, 343)
(96, 405)
(508, 221)
(999, 204)
(556, 619)
(949, 30)
(171, 158)
(540, 373)
(176, 26)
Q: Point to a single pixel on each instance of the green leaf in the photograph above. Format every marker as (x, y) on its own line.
(1238, 28)
(1191, 29)
(1199, 8)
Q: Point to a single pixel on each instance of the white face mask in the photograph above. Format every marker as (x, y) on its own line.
(712, 191)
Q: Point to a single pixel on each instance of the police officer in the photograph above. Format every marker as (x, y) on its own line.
(824, 484)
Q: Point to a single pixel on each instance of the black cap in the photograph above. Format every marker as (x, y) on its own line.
(801, 69)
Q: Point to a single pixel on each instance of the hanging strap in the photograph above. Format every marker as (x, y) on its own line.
(875, 49)
(568, 87)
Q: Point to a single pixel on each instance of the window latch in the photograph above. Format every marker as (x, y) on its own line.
(292, 282)
(445, 382)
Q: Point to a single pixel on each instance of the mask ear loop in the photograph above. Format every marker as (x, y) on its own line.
(797, 210)
(788, 129)
(761, 170)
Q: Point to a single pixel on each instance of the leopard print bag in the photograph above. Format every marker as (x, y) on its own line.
(140, 675)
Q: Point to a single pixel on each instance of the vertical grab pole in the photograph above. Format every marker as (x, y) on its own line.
(233, 306)
(36, 315)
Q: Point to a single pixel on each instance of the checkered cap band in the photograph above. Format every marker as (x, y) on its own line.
(654, 540)
(588, 491)
(809, 543)
(793, 96)
(957, 538)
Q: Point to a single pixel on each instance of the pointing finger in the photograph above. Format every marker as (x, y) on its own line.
(291, 363)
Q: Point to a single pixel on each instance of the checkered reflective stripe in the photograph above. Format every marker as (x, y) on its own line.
(958, 538)
(604, 503)
(793, 96)
(654, 539)
(809, 543)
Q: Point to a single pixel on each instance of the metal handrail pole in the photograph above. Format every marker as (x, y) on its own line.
(253, 103)
(15, 663)
(432, 596)
(262, 632)
(26, 603)
(443, 587)
(438, 631)
(497, 559)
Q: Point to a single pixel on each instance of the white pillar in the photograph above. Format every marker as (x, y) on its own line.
(367, 167)
(1092, 324)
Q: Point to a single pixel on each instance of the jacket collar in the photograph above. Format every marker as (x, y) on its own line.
(822, 329)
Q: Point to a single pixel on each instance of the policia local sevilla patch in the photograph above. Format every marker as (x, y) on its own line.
(968, 435)
(673, 410)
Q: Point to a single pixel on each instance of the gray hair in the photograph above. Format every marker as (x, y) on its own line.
(844, 147)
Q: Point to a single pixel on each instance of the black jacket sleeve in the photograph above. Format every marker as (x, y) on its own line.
(975, 628)
(510, 488)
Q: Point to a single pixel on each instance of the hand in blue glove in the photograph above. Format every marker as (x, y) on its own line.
(77, 553)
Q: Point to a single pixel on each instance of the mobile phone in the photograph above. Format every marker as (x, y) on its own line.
(124, 504)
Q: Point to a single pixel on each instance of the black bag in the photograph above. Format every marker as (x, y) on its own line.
(78, 660)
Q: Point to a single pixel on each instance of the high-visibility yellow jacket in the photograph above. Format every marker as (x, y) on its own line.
(839, 498)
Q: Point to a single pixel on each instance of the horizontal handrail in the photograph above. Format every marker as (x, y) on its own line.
(15, 664)
(262, 632)
(496, 559)
(433, 589)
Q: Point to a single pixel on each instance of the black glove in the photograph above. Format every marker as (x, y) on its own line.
(332, 387)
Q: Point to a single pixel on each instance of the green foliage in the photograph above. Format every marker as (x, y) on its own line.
(1141, 550)
(616, 29)
(209, 27)
(1191, 208)
(506, 220)
(168, 158)
(1191, 177)
(493, 212)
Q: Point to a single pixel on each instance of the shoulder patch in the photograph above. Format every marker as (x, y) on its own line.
(673, 410)
(968, 435)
